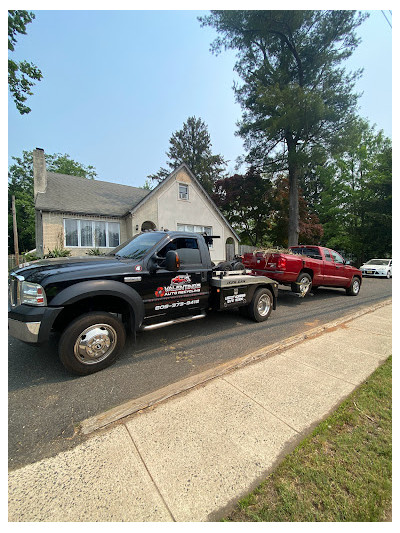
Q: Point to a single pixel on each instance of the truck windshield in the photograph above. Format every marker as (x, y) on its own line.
(137, 247)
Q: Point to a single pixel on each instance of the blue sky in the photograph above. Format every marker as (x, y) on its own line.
(117, 84)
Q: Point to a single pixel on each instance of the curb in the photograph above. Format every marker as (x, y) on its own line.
(131, 407)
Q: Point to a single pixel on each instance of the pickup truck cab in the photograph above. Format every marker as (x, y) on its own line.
(306, 267)
(153, 280)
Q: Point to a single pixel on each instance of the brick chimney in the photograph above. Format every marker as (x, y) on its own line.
(39, 172)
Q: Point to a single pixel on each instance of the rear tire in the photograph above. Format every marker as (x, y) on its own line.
(303, 285)
(91, 342)
(260, 306)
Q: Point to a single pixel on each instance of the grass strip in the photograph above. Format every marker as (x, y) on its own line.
(342, 472)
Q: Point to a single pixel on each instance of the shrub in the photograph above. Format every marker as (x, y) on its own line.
(58, 252)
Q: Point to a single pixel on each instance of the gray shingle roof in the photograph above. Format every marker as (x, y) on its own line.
(91, 197)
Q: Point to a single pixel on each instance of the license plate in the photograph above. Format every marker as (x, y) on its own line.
(369, 271)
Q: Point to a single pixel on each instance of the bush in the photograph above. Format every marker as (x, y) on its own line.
(94, 251)
(58, 252)
(28, 257)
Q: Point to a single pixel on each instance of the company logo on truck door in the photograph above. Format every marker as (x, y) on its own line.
(181, 284)
(180, 280)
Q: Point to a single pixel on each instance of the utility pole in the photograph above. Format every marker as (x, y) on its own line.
(14, 214)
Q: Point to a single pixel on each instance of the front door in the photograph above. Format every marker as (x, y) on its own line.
(171, 295)
(341, 275)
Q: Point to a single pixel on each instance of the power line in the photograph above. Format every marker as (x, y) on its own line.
(384, 14)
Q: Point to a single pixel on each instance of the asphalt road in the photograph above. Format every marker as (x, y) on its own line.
(46, 403)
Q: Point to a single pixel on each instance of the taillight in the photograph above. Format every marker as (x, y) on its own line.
(281, 263)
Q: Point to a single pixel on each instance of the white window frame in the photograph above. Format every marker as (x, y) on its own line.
(183, 196)
(93, 222)
(200, 229)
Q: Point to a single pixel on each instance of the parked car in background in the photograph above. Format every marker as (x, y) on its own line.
(377, 268)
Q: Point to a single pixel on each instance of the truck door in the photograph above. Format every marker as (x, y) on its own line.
(341, 274)
(174, 294)
(329, 268)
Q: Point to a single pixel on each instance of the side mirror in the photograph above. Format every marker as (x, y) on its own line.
(172, 262)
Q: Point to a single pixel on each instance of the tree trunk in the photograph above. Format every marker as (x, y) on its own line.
(293, 236)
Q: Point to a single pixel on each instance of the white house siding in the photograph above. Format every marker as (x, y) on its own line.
(197, 211)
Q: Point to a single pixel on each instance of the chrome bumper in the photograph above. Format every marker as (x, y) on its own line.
(24, 331)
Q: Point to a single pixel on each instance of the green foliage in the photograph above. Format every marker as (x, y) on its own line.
(192, 145)
(257, 206)
(147, 185)
(28, 257)
(94, 251)
(57, 252)
(20, 184)
(20, 74)
(356, 198)
(63, 164)
(294, 94)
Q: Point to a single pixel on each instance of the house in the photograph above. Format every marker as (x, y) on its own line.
(81, 214)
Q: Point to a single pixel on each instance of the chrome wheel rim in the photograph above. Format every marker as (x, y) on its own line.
(304, 285)
(356, 286)
(263, 305)
(95, 344)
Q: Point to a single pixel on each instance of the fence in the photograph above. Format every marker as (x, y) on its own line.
(242, 249)
(12, 263)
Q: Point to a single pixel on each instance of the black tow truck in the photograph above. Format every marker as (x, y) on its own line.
(155, 279)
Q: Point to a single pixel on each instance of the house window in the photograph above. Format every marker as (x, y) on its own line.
(83, 233)
(183, 192)
(195, 229)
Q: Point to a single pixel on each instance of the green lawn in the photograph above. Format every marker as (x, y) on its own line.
(340, 473)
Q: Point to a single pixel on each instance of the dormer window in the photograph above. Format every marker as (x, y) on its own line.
(183, 192)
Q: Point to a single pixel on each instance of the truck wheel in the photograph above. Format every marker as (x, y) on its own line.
(354, 288)
(303, 285)
(239, 266)
(91, 342)
(260, 306)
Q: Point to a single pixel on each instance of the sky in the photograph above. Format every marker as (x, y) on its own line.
(117, 84)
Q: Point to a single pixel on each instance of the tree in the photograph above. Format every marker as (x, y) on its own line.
(356, 201)
(192, 145)
(20, 74)
(310, 228)
(20, 184)
(246, 201)
(295, 95)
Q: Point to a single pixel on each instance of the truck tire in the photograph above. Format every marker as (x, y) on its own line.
(354, 288)
(239, 266)
(303, 285)
(260, 306)
(91, 342)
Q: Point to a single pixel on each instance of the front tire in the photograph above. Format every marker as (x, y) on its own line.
(260, 306)
(91, 342)
(354, 288)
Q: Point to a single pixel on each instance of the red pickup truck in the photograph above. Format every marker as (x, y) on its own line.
(304, 268)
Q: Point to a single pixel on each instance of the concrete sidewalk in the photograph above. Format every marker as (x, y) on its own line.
(192, 457)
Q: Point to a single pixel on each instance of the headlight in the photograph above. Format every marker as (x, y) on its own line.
(32, 294)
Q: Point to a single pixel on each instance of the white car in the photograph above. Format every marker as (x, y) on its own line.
(377, 267)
